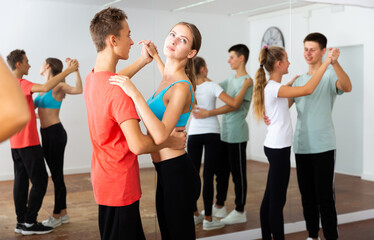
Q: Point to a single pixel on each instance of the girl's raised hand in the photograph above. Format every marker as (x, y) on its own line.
(73, 64)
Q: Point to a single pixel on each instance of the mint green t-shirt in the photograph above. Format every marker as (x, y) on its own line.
(315, 131)
(234, 126)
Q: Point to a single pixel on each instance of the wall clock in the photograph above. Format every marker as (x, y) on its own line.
(272, 37)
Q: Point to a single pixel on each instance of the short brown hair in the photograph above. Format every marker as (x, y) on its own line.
(240, 49)
(318, 38)
(106, 22)
(14, 57)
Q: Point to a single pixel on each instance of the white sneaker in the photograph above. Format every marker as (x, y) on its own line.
(235, 217)
(65, 219)
(198, 219)
(217, 212)
(214, 224)
(312, 238)
(52, 222)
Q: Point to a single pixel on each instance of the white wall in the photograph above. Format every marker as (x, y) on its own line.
(349, 27)
(44, 29)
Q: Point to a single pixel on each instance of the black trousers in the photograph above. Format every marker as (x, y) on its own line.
(29, 165)
(315, 175)
(271, 212)
(178, 188)
(118, 223)
(211, 143)
(234, 160)
(54, 140)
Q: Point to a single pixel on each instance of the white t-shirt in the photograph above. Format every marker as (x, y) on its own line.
(206, 95)
(280, 133)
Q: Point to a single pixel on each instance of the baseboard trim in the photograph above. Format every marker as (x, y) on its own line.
(294, 227)
(367, 177)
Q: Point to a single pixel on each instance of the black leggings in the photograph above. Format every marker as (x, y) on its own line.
(178, 188)
(234, 160)
(54, 140)
(212, 152)
(271, 212)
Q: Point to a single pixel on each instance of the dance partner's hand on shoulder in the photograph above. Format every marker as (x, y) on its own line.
(292, 81)
(125, 83)
(200, 113)
(267, 120)
(334, 54)
(248, 82)
(177, 139)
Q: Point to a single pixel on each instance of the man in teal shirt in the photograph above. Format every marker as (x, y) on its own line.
(234, 137)
(314, 139)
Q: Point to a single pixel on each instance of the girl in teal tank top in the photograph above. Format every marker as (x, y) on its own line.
(178, 183)
(53, 134)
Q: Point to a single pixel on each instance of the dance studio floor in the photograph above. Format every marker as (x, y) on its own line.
(352, 195)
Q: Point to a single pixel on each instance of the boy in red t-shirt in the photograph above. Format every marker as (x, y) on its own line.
(114, 130)
(27, 153)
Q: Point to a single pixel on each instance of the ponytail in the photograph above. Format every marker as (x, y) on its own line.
(55, 65)
(259, 88)
(267, 58)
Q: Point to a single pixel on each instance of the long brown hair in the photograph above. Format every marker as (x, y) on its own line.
(55, 65)
(199, 63)
(196, 44)
(267, 58)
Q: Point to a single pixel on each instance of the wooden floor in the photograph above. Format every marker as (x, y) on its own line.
(352, 194)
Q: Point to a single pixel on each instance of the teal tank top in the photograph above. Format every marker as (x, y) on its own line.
(157, 106)
(47, 101)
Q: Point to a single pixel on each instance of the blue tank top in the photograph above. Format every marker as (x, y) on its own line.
(156, 104)
(47, 101)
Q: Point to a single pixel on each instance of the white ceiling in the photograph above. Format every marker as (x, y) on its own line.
(224, 7)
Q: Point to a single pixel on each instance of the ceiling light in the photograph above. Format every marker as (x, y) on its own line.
(191, 5)
(111, 3)
(263, 8)
(362, 3)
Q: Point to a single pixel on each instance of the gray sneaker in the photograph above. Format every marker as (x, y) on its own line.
(52, 222)
(65, 219)
(198, 219)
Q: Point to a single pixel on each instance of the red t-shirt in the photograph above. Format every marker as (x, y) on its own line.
(28, 136)
(114, 168)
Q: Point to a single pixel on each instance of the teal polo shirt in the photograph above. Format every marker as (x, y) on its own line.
(314, 128)
(234, 126)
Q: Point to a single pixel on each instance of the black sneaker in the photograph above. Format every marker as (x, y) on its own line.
(36, 228)
(19, 228)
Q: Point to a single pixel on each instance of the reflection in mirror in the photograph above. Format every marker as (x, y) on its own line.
(333, 21)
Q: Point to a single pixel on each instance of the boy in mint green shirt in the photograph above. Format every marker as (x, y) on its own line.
(314, 139)
(234, 137)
